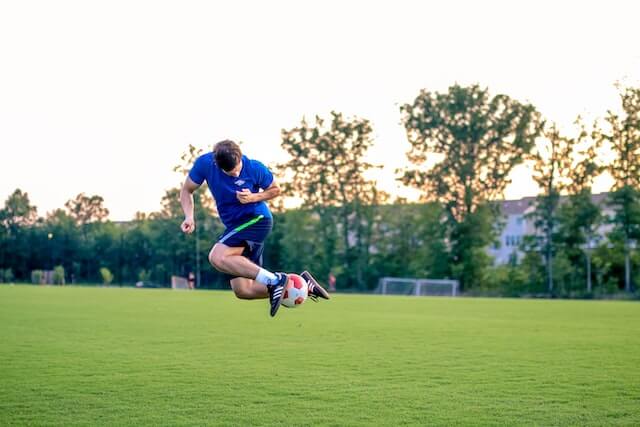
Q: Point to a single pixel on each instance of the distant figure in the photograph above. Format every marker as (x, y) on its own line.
(192, 280)
(332, 282)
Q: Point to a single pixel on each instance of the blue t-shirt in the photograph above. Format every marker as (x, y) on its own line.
(254, 176)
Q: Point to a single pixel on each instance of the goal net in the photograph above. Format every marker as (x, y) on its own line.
(178, 282)
(417, 287)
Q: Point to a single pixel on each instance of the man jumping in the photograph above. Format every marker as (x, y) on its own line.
(240, 187)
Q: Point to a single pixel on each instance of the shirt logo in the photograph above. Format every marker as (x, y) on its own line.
(239, 182)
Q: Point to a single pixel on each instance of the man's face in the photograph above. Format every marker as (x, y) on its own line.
(235, 172)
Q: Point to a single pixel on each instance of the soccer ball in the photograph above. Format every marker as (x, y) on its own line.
(295, 291)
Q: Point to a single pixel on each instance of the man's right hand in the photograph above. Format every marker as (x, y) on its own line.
(188, 225)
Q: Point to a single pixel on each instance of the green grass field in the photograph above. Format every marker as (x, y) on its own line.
(94, 356)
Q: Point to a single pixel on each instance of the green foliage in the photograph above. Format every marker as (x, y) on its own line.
(568, 164)
(623, 137)
(144, 276)
(562, 273)
(479, 140)
(625, 202)
(409, 242)
(469, 240)
(17, 219)
(18, 211)
(36, 277)
(464, 143)
(58, 275)
(505, 280)
(533, 267)
(608, 263)
(6, 275)
(297, 242)
(327, 170)
(87, 209)
(578, 220)
(106, 275)
(476, 140)
(552, 161)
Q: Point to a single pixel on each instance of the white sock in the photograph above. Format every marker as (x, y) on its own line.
(266, 277)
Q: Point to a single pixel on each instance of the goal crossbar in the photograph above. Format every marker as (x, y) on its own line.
(418, 287)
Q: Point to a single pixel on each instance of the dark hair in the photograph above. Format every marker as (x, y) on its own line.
(227, 154)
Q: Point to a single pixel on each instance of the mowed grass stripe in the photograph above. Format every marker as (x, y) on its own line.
(96, 356)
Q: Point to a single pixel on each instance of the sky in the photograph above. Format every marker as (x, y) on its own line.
(104, 97)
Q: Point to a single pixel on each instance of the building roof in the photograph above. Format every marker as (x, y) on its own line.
(518, 207)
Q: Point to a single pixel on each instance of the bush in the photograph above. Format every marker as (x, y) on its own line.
(504, 280)
(58, 275)
(106, 275)
(6, 276)
(36, 277)
(144, 276)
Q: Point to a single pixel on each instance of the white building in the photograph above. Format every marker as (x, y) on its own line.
(517, 225)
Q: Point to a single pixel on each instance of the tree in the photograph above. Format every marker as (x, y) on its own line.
(16, 218)
(475, 140)
(61, 240)
(623, 137)
(106, 275)
(87, 209)
(18, 210)
(326, 171)
(410, 241)
(552, 160)
(579, 217)
(87, 212)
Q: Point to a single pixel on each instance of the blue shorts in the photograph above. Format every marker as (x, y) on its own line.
(251, 236)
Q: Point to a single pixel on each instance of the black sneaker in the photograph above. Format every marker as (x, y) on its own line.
(276, 292)
(315, 290)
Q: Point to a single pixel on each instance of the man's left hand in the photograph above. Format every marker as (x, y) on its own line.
(245, 196)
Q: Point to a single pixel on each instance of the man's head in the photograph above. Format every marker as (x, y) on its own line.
(228, 155)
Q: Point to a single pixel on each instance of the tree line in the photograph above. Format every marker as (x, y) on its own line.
(464, 143)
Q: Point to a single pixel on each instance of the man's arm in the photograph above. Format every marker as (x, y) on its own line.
(246, 196)
(186, 201)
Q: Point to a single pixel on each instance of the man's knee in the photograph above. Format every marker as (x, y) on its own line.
(216, 258)
(242, 293)
(242, 289)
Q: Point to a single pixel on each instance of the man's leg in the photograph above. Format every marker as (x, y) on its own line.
(230, 260)
(249, 276)
(248, 289)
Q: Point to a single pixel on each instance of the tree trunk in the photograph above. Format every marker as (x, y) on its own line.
(627, 267)
(588, 271)
(549, 265)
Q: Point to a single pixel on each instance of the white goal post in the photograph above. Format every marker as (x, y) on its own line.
(417, 287)
(178, 282)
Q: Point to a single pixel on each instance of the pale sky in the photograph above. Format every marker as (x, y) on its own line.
(104, 97)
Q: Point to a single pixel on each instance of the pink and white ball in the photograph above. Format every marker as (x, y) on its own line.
(295, 291)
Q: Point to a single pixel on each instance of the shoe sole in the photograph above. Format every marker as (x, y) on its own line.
(309, 278)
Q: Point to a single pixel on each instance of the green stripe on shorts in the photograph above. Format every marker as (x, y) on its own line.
(241, 227)
(248, 223)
